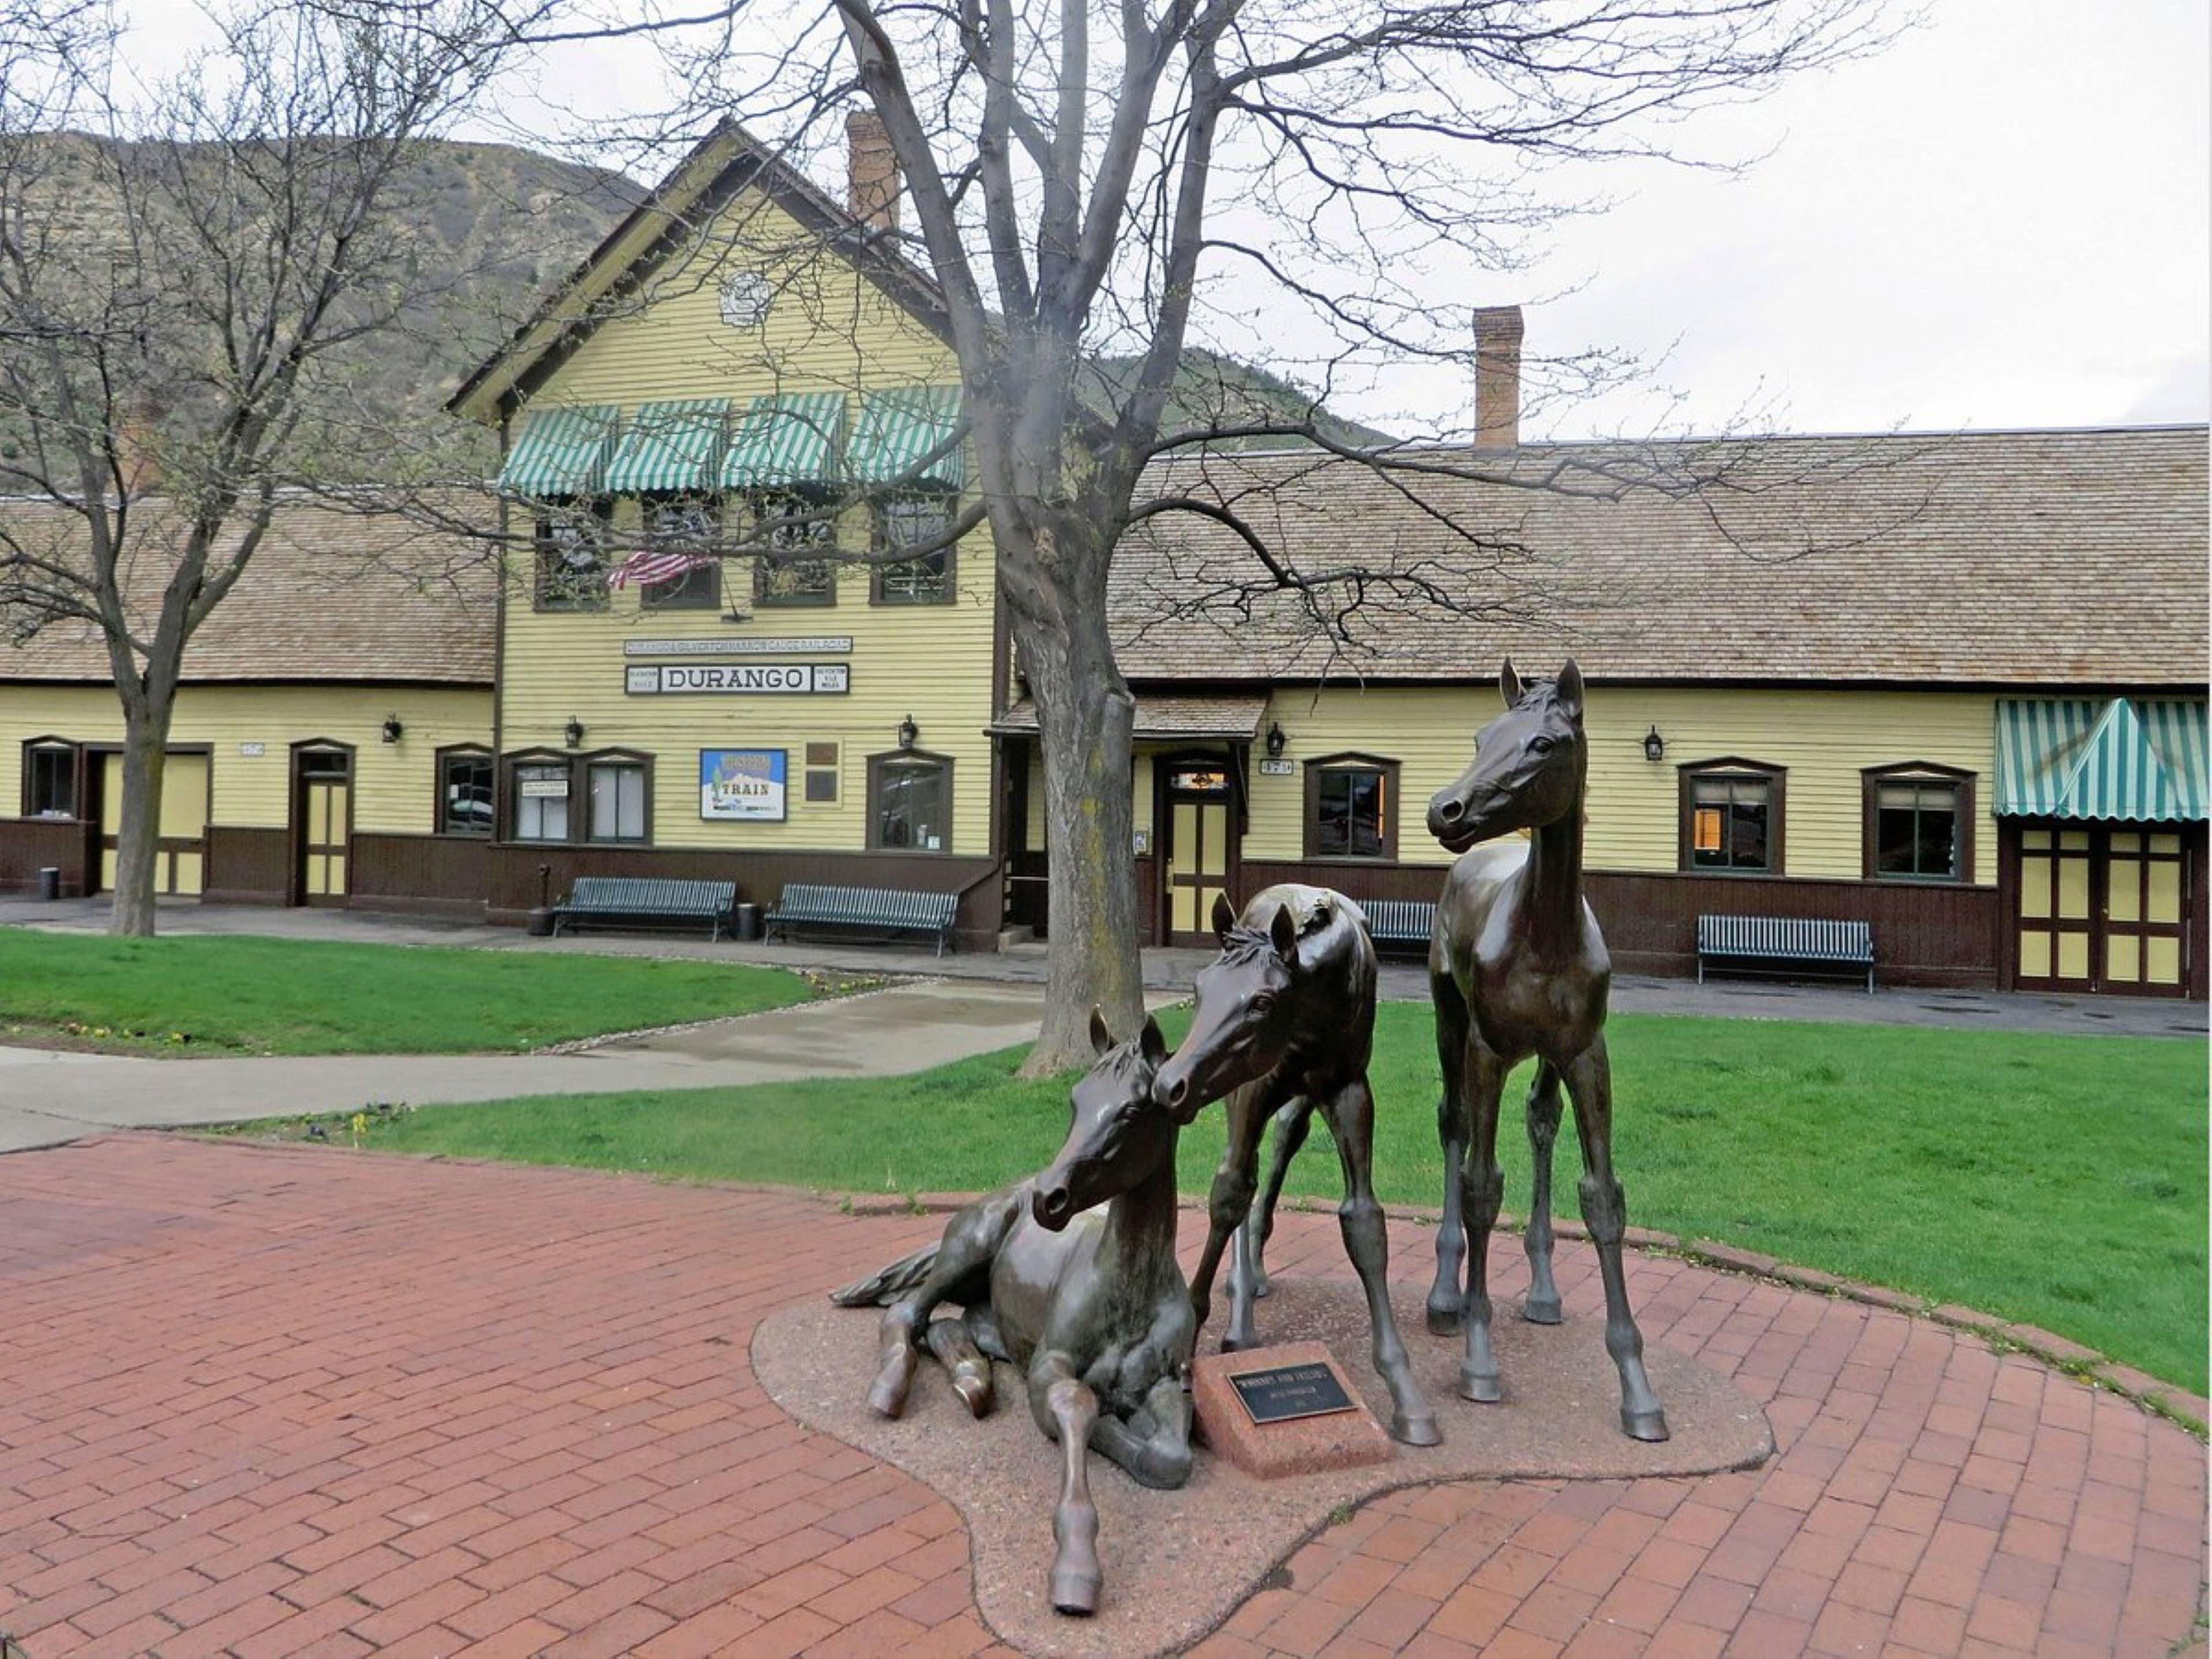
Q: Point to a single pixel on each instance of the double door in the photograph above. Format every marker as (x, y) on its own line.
(180, 849)
(2103, 907)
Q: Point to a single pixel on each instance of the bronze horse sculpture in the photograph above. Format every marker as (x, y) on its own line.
(1089, 1302)
(1517, 967)
(1287, 1012)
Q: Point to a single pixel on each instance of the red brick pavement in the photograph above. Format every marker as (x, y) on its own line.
(266, 1402)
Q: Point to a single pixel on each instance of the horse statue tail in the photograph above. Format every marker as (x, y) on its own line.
(882, 1288)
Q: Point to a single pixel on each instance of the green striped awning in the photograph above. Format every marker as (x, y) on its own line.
(899, 428)
(2072, 757)
(561, 452)
(786, 438)
(675, 445)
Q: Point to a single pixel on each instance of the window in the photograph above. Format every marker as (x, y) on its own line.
(786, 574)
(541, 800)
(465, 803)
(572, 556)
(684, 524)
(1919, 823)
(1732, 818)
(910, 802)
(49, 775)
(903, 521)
(1351, 803)
(618, 791)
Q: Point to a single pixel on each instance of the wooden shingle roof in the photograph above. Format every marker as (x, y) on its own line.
(329, 596)
(1999, 558)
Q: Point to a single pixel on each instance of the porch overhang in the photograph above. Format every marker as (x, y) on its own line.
(2123, 760)
(1163, 719)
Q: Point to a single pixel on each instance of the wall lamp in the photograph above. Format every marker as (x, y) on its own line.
(573, 732)
(1654, 746)
(1275, 740)
(907, 732)
(393, 728)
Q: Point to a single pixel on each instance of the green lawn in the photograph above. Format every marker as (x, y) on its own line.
(201, 995)
(2055, 1180)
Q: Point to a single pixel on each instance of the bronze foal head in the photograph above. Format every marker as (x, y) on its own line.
(1243, 1019)
(1120, 1133)
(1527, 767)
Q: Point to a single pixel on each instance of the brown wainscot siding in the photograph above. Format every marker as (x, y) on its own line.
(453, 875)
(30, 845)
(248, 865)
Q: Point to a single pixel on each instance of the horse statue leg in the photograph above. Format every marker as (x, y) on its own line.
(1231, 1201)
(1482, 1188)
(1066, 1409)
(1292, 1124)
(949, 1339)
(1542, 1305)
(1351, 1114)
(1448, 1294)
(1605, 1211)
(970, 1243)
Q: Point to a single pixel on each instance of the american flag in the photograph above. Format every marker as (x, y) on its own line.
(650, 567)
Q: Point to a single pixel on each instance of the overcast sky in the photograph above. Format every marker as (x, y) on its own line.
(2005, 219)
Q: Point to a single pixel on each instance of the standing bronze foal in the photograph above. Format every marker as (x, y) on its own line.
(1517, 967)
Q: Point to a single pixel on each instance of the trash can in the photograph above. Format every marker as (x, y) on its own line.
(541, 922)
(748, 926)
(50, 883)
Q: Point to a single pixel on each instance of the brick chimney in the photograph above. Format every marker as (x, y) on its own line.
(1498, 377)
(872, 176)
(136, 444)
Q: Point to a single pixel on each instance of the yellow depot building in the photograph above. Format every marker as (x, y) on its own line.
(336, 704)
(1953, 686)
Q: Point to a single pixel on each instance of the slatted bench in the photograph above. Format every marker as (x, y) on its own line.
(874, 909)
(641, 900)
(1795, 941)
(1399, 921)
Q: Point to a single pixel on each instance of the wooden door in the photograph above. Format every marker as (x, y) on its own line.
(2145, 913)
(323, 825)
(2056, 921)
(1200, 828)
(181, 846)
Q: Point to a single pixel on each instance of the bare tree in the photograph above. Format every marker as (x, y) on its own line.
(184, 270)
(1098, 190)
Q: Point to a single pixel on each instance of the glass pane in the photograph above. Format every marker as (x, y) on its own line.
(2074, 841)
(2165, 904)
(2073, 956)
(1706, 836)
(2166, 844)
(2126, 842)
(1896, 841)
(1747, 835)
(2124, 888)
(2034, 955)
(2162, 961)
(2035, 841)
(913, 798)
(1713, 791)
(1938, 854)
(465, 796)
(2123, 958)
(2073, 887)
(53, 783)
(2035, 887)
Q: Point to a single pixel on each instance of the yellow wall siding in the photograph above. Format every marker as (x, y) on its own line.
(395, 784)
(1822, 736)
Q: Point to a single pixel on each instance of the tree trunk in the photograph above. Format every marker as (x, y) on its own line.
(1086, 719)
(145, 751)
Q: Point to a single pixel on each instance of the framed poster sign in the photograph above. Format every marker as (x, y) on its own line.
(745, 785)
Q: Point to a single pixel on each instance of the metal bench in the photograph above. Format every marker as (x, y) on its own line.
(873, 908)
(1795, 941)
(1399, 921)
(639, 899)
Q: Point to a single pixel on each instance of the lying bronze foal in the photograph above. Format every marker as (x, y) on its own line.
(1088, 1300)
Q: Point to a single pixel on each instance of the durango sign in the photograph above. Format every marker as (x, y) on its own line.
(787, 679)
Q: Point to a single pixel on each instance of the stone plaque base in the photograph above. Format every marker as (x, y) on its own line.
(1301, 1445)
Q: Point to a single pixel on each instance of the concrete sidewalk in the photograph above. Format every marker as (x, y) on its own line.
(1168, 970)
(47, 1098)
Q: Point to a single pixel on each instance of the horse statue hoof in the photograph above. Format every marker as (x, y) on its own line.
(1540, 1310)
(1075, 1592)
(974, 1388)
(1261, 1285)
(1443, 1318)
(1643, 1426)
(1481, 1386)
(887, 1397)
(1230, 1342)
(1415, 1430)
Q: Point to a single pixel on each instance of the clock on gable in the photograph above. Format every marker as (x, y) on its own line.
(745, 300)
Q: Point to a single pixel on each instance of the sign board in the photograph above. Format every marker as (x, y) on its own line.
(1278, 769)
(811, 645)
(742, 784)
(1286, 1391)
(787, 678)
(251, 750)
(544, 788)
